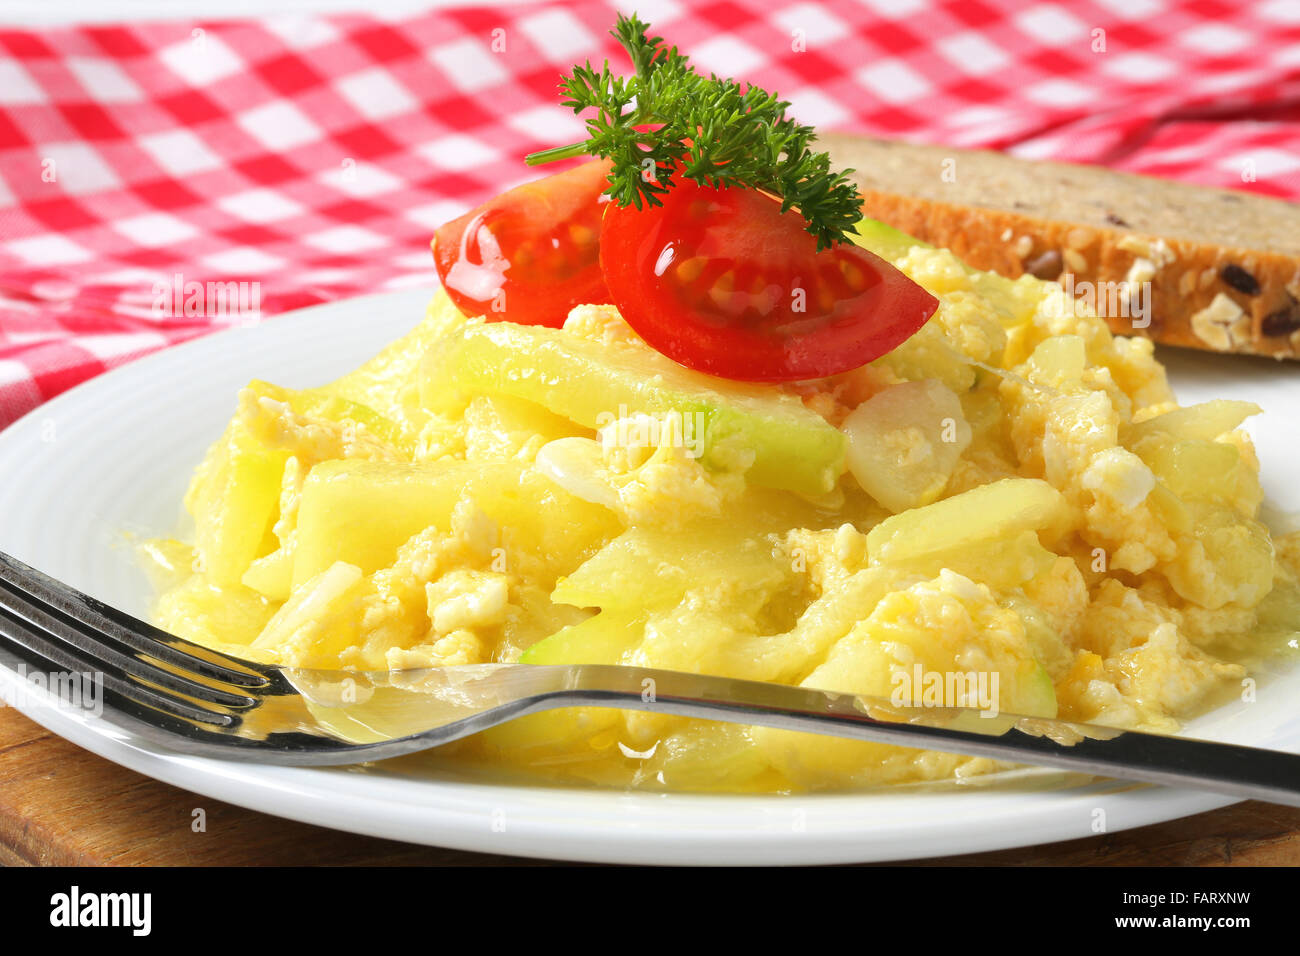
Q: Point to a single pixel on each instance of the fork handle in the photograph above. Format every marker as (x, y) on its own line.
(1230, 769)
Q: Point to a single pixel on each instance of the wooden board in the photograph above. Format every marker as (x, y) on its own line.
(61, 805)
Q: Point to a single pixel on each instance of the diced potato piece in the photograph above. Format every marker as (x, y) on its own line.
(618, 576)
(997, 562)
(1196, 469)
(234, 498)
(790, 446)
(998, 511)
(602, 639)
(538, 517)
(905, 441)
(500, 427)
(1203, 422)
(223, 618)
(271, 575)
(653, 567)
(361, 512)
(319, 621)
(1170, 510)
(1060, 360)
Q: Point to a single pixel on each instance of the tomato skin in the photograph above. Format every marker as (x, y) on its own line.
(722, 281)
(530, 254)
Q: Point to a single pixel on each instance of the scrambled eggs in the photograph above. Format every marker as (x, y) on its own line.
(1013, 493)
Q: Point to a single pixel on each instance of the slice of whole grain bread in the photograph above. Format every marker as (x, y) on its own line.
(1185, 265)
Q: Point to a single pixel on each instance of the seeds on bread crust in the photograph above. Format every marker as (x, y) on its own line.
(1283, 321)
(1047, 265)
(1238, 278)
(1223, 324)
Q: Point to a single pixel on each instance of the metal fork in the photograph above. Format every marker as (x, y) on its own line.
(191, 700)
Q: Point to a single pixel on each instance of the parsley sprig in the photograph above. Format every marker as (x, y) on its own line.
(717, 131)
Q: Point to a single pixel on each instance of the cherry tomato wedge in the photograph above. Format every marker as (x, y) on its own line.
(722, 281)
(531, 254)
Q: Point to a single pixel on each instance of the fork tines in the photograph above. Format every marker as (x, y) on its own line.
(58, 629)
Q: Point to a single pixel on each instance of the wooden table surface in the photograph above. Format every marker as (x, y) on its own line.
(61, 805)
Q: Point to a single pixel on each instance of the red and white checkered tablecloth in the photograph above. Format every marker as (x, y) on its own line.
(312, 158)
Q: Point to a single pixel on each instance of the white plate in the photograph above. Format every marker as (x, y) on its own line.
(112, 458)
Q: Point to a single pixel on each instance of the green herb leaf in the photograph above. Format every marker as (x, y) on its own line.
(716, 131)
